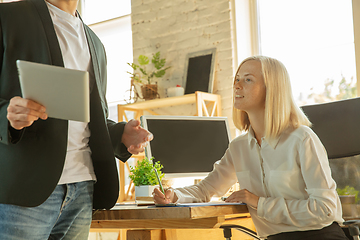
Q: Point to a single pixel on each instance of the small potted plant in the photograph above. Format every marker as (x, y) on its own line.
(145, 77)
(348, 198)
(144, 177)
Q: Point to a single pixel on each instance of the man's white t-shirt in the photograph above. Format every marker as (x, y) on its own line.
(75, 51)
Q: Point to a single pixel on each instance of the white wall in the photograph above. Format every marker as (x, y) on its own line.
(178, 27)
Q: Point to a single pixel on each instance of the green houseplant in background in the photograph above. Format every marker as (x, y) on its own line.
(144, 177)
(348, 191)
(145, 77)
(348, 198)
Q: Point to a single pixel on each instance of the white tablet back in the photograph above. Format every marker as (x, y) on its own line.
(64, 92)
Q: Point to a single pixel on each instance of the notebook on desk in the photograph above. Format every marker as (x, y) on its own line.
(201, 204)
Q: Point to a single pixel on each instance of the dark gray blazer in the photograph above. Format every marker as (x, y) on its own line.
(31, 160)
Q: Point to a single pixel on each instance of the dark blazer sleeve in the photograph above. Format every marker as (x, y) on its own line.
(4, 123)
(7, 133)
(116, 130)
(3, 103)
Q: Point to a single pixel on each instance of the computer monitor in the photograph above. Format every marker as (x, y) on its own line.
(199, 71)
(186, 146)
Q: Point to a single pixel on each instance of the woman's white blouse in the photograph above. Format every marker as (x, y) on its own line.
(291, 175)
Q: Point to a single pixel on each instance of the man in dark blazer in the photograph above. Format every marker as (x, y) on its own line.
(33, 147)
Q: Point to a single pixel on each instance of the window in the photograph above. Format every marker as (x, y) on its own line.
(315, 41)
(116, 36)
(111, 21)
(95, 11)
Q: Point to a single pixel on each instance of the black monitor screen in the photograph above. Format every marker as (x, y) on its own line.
(198, 75)
(187, 144)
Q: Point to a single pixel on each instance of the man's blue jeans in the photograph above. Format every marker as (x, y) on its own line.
(66, 214)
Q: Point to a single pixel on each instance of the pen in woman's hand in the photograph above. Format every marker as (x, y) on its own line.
(159, 197)
(223, 198)
(158, 178)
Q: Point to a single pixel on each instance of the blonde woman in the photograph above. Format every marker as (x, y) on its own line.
(280, 163)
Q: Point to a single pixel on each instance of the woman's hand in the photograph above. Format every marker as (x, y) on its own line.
(244, 196)
(160, 198)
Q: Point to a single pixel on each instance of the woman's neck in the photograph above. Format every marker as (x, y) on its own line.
(257, 122)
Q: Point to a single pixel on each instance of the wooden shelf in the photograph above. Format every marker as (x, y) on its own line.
(207, 104)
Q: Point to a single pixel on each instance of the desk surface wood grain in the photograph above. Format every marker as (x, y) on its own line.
(152, 212)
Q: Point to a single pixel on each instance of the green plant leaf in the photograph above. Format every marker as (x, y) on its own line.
(143, 60)
(133, 65)
(136, 78)
(158, 63)
(159, 73)
(144, 174)
(348, 191)
(143, 71)
(156, 57)
(143, 76)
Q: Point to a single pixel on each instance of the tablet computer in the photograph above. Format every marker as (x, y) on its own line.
(64, 92)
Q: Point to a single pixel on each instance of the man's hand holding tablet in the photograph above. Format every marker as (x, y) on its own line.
(23, 112)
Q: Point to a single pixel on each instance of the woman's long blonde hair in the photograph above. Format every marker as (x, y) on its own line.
(281, 111)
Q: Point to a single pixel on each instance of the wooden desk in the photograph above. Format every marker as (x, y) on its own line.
(161, 223)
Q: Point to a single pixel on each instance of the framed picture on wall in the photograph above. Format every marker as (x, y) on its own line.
(199, 71)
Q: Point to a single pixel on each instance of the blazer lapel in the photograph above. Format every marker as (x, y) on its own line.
(94, 72)
(54, 46)
(95, 63)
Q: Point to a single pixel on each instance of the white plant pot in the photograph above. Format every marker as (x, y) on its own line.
(175, 91)
(144, 191)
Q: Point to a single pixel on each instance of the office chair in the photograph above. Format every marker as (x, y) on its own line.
(337, 124)
(227, 231)
(353, 228)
